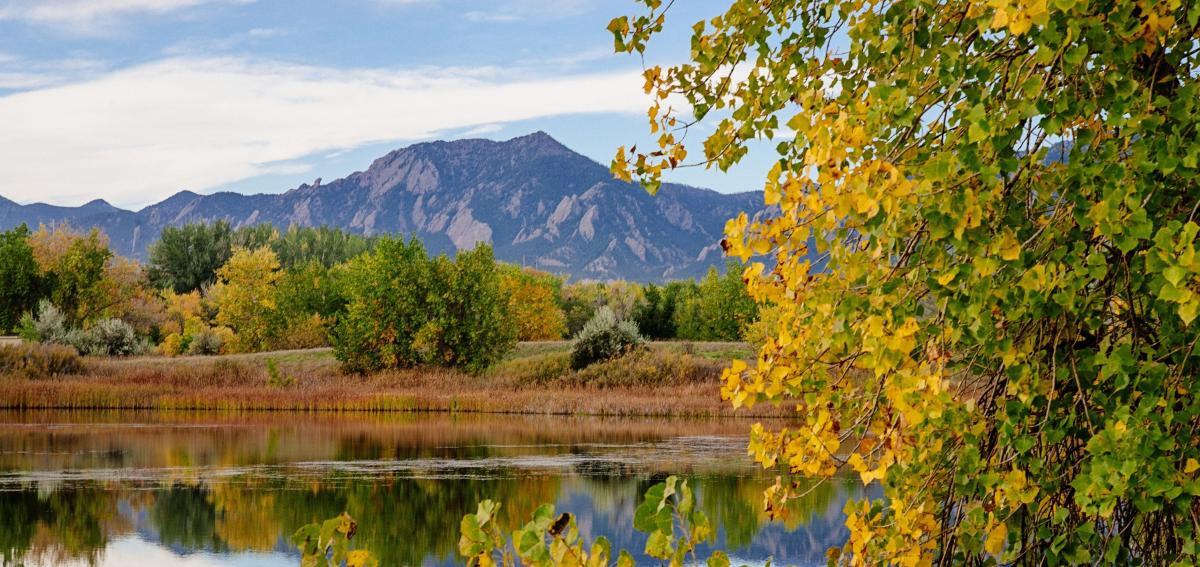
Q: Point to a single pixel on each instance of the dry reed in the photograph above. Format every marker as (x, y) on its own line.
(656, 382)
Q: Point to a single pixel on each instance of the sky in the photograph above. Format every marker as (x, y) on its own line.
(132, 101)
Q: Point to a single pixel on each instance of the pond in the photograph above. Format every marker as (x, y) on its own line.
(204, 489)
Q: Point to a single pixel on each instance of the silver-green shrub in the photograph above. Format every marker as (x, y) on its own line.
(110, 337)
(604, 337)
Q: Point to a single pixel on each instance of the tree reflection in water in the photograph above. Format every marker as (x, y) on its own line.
(70, 487)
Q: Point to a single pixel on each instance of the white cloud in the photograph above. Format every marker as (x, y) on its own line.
(495, 17)
(21, 81)
(21, 74)
(509, 11)
(480, 130)
(90, 15)
(138, 135)
(210, 46)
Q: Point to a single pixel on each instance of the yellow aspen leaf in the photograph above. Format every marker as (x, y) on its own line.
(996, 537)
(357, 558)
(1010, 247)
(1187, 311)
(1191, 466)
(947, 277)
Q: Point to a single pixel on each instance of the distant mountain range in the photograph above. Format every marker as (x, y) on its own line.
(534, 200)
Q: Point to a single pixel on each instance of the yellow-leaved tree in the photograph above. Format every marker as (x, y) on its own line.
(245, 298)
(533, 303)
(980, 257)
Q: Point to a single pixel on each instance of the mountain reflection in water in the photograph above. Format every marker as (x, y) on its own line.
(173, 489)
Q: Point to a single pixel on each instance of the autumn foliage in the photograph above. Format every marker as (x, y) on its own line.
(982, 273)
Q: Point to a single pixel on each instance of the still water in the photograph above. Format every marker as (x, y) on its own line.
(203, 489)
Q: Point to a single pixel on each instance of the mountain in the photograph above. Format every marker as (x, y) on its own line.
(537, 202)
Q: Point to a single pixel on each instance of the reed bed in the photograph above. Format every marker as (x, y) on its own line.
(659, 381)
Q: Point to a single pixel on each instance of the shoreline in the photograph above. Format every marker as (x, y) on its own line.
(666, 380)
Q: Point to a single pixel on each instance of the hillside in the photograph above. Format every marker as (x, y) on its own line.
(535, 200)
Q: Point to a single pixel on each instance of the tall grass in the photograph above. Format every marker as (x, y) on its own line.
(35, 360)
(657, 381)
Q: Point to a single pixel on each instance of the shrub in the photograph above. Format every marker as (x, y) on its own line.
(648, 368)
(172, 345)
(538, 369)
(302, 332)
(275, 378)
(205, 342)
(110, 337)
(47, 325)
(39, 360)
(604, 337)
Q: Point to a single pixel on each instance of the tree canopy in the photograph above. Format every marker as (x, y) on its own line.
(1005, 193)
(187, 257)
(20, 280)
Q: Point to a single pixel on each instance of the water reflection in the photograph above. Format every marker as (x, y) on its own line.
(204, 489)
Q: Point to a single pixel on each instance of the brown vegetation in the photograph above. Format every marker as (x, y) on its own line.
(38, 361)
(661, 380)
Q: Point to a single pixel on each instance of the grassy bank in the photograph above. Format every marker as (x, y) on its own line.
(675, 379)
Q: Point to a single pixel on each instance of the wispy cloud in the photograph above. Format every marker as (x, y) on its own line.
(499, 17)
(509, 11)
(23, 81)
(92, 16)
(24, 74)
(217, 45)
(137, 135)
(480, 130)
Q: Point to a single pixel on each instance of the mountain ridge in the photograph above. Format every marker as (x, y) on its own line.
(536, 201)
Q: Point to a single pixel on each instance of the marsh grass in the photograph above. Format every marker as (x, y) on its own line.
(660, 380)
(35, 360)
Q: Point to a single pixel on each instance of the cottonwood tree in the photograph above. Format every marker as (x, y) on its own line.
(1005, 194)
(246, 300)
(20, 280)
(186, 258)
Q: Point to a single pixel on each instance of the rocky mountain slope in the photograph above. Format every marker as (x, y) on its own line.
(536, 201)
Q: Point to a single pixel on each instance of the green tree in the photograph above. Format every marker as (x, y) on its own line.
(1005, 193)
(254, 236)
(75, 278)
(387, 294)
(20, 279)
(404, 309)
(686, 318)
(477, 330)
(312, 288)
(187, 258)
(299, 246)
(720, 308)
(656, 313)
(578, 302)
(725, 306)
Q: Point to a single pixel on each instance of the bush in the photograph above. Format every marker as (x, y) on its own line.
(47, 325)
(604, 337)
(205, 342)
(110, 337)
(537, 369)
(302, 332)
(648, 368)
(39, 360)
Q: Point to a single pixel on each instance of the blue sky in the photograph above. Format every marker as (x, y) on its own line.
(133, 100)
